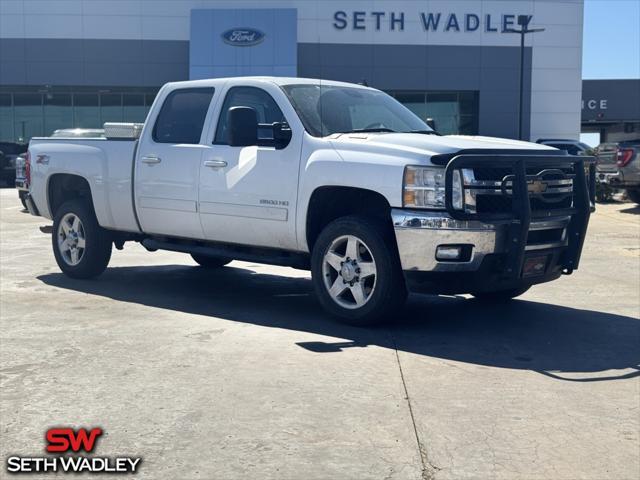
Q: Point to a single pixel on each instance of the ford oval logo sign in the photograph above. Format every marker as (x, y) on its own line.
(243, 37)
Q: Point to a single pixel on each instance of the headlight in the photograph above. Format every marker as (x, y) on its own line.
(424, 188)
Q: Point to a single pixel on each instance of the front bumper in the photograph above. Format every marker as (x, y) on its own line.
(420, 233)
(528, 242)
(620, 179)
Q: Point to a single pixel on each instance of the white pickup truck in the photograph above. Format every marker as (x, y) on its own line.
(333, 177)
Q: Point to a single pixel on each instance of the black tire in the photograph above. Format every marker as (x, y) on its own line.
(210, 262)
(23, 202)
(388, 293)
(634, 195)
(97, 251)
(500, 296)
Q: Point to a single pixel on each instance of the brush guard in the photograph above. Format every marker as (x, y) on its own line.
(522, 188)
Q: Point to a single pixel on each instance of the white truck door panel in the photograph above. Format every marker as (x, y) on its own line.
(248, 194)
(168, 165)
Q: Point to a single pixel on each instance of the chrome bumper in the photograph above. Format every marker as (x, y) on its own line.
(419, 233)
(610, 178)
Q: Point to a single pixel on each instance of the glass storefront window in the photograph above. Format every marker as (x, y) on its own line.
(28, 117)
(133, 108)
(110, 107)
(86, 113)
(414, 102)
(452, 112)
(6, 118)
(38, 111)
(57, 112)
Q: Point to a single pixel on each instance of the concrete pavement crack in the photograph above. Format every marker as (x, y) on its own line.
(428, 469)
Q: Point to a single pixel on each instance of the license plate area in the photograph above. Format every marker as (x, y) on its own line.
(535, 265)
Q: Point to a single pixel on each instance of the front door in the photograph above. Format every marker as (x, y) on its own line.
(168, 165)
(248, 194)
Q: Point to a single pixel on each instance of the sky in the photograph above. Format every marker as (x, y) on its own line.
(611, 39)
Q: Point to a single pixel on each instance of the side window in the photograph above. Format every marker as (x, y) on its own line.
(182, 115)
(265, 106)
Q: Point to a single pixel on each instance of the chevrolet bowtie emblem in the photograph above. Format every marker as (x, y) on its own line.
(537, 186)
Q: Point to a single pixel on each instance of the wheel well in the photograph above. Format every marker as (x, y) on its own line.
(63, 187)
(328, 203)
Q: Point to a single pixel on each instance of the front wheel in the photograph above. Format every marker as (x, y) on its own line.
(82, 248)
(500, 295)
(356, 272)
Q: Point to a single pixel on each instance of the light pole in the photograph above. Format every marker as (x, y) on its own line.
(523, 21)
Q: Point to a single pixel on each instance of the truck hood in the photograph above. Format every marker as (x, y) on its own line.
(415, 146)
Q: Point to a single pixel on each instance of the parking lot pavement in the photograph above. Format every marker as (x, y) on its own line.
(238, 374)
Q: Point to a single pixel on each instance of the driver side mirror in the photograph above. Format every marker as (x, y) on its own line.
(242, 126)
(281, 135)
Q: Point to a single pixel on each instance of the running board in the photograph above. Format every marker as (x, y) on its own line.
(269, 256)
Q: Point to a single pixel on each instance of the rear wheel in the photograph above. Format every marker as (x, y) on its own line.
(356, 271)
(634, 195)
(210, 262)
(82, 248)
(500, 295)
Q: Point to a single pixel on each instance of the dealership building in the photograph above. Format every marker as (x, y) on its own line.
(79, 63)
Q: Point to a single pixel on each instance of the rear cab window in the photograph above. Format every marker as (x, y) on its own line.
(182, 116)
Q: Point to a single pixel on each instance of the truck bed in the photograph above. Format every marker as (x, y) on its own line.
(106, 164)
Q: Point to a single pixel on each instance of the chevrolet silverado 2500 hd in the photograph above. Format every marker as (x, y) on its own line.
(333, 177)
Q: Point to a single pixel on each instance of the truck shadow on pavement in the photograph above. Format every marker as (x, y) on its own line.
(560, 342)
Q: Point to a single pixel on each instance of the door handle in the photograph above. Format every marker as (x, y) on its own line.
(215, 163)
(151, 159)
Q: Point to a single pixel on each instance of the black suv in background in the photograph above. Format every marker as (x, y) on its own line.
(9, 152)
(572, 147)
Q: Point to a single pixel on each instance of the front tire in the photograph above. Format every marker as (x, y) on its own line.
(500, 296)
(82, 248)
(210, 262)
(356, 271)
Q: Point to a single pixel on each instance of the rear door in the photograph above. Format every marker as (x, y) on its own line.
(168, 165)
(248, 194)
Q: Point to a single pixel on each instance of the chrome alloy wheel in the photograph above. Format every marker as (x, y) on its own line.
(71, 239)
(349, 272)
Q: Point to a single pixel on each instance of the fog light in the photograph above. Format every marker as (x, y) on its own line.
(448, 253)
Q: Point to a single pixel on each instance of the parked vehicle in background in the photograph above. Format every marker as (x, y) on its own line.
(572, 147)
(333, 177)
(618, 167)
(9, 152)
(21, 179)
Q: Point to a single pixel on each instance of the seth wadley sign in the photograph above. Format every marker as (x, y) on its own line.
(430, 21)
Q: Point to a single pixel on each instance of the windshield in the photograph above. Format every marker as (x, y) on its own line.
(330, 109)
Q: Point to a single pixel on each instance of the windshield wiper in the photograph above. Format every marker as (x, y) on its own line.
(424, 132)
(367, 130)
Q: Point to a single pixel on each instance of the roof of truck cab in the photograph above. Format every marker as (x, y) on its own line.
(213, 82)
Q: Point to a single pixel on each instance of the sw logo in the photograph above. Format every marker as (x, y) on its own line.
(65, 439)
(69, 441)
